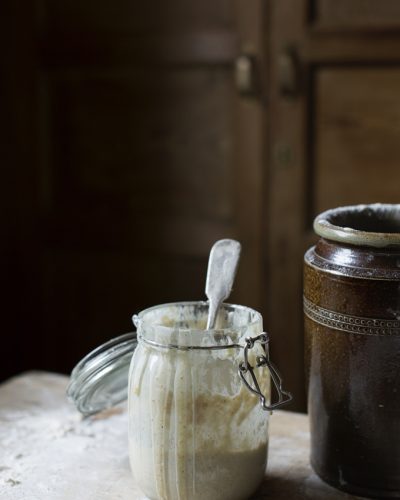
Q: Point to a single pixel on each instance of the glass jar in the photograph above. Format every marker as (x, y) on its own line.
(195, 399)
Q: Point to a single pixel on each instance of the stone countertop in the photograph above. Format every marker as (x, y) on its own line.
(49, 452)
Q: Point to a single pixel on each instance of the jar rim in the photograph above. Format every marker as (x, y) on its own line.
(373, 225)
(141, 318)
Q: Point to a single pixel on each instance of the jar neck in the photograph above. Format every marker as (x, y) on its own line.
(183, 324)
(375, 226)
(355, 261)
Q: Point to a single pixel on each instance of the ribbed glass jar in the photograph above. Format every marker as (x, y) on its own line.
(195, 431)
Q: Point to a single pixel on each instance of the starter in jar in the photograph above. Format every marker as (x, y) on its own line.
(196, 432)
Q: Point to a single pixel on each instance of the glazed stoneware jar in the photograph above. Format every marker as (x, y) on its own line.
(352, 328)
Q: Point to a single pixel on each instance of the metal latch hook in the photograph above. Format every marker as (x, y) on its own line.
(245, 367)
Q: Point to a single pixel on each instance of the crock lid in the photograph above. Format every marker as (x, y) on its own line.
(100, 380)
(375, 225)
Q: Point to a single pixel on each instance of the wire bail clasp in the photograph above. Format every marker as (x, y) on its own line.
(245, 367)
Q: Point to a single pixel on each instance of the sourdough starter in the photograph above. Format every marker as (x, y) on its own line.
(196, 432)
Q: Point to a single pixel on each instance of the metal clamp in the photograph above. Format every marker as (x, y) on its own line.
(245, 367)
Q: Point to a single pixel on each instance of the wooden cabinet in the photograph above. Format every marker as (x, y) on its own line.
(133, 153)
(128, 151)
(334, 135)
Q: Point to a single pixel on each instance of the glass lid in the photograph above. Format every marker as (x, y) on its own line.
(100, 380)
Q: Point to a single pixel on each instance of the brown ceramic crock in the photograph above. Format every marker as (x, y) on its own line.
(352, 328)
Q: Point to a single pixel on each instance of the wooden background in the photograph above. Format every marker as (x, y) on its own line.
(127, 150)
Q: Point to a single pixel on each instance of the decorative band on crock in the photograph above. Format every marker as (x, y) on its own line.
(349, 323)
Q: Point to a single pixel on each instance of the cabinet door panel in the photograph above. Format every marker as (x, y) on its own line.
(138, 151)
(132, 154)
(356, 14)
(132, 33)
(357, 136)
(127, 17)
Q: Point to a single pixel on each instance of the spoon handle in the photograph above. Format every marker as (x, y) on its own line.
(222, 266)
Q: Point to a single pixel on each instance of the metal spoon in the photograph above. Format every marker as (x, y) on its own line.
(222, 265)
